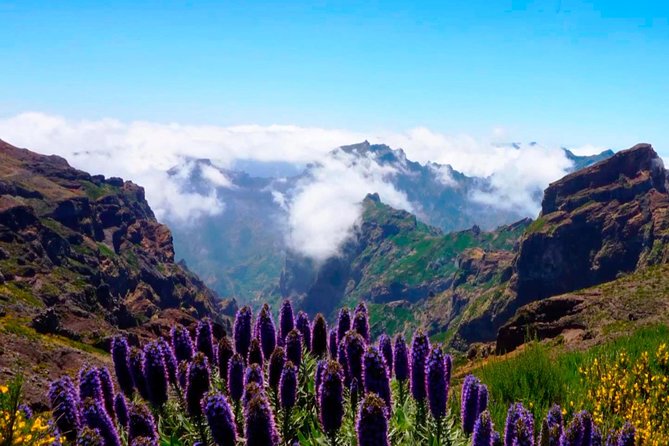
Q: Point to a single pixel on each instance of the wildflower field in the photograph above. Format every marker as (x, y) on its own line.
(302, 382)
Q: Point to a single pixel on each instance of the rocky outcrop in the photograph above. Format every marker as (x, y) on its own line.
(83, 256)
(595, 224)
(607, 220)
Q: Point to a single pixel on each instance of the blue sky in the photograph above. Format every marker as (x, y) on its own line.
(567, 72)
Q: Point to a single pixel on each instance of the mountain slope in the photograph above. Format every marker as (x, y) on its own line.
(241, 251)
(82, 257)
(597, 224)
(393, 262)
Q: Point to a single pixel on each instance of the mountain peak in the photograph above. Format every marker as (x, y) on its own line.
(638, 167)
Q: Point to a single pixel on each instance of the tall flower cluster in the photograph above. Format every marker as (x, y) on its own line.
(474, 400)
(294, 347)
(420, 348)
(220, 419)
(435, 381)
(225, 352)
(401, 359)
(386, 348)
(236, 377)
(260, 427)
(372, 422)
(197, 384)
(96, 417)
(355, 349)
(343, 323)
(182, 344)
(551, 427)
(64, 405)
(265, 331)
(319, 336)
(120, 352)
(242, 332)
(276, 364)
(141, 424)
(286, 320)
(156, 374)
(330, 396)
(519, 426)
(204, 340)
(376, 379)
(303, 325)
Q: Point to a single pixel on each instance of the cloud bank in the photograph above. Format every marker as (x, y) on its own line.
(326, 205)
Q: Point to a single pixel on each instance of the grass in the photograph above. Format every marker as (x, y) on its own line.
(106, 251)
(20, 293)
(541, 375)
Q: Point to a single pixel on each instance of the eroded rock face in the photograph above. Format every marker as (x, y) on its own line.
(90, 246)
(595, 224)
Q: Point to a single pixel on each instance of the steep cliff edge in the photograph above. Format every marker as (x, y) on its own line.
(597, 224)
(82, 257)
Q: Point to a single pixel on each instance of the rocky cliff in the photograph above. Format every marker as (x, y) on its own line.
(596, 225)
(82, 257)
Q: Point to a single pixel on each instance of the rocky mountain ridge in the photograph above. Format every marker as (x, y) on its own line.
(82, 257)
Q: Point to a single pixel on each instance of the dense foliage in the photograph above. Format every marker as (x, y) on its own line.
(195, 389)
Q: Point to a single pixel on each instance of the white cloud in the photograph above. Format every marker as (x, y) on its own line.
(215, 176)
(327, 205)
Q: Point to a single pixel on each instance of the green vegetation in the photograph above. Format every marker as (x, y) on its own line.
(541, 375)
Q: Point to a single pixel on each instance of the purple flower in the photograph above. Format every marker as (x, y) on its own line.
(355, 348)
(496, 439)
(354, 392)
(361, 308)
(198, 384)
(330, 396)
(204, 339)
(220, 419)
(64, 402)
(288, 386)
(482, 403)
(182, 374)
(265, 331)
(170, 361)
(294, 347)
(319, 337)
(96, 417)
(121, 409)
(372, 422)
(551, 427)
(519, 427)
(469, 403)
(286, 320)
(448, 362)
(420, 348)
(276, 364)
(361, 325)
(107, 386)
(579, 431)
(120, 356)
(386, 349)
(255, 353)
(375, 376)
(332, 343)
(242, 331)
(596, 437)
(27, 411)
(435, 383)
(137, 370)
(259, 427)
(343, 362)
(401, 359)
(254, 374)
(343, 323)
(141, 424)
(225, 352)
(90, 437)
(251, 390)
(156, 374)
(483, 431)
(236, 377)
(627, 435)
(303, 325)
(318, 377)
(89, 384)
(182, 344)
